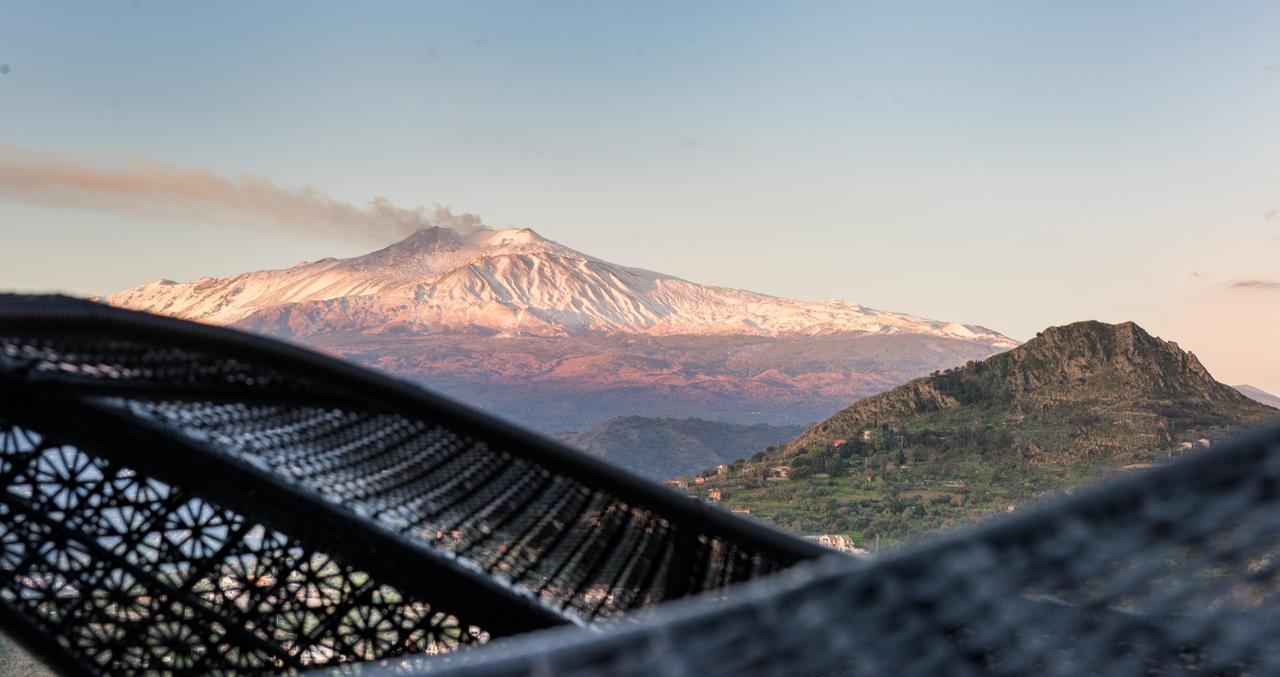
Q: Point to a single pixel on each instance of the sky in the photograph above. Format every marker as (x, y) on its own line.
(1012, 164)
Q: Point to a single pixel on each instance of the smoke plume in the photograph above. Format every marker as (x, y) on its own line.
(1256, 284)
(155, 189)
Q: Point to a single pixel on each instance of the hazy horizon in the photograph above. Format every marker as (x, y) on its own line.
(1013, 165)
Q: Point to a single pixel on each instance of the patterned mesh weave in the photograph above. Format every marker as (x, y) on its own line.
(180, 497)
(1171, 571)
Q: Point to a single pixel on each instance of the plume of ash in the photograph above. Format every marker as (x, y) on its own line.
(155, 189)
(1256, 284)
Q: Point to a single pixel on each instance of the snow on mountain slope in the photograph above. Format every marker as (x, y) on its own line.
(511, 282)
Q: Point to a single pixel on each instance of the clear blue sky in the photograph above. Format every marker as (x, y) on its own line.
(1015, 164)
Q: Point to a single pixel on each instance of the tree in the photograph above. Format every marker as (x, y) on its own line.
(834, 467)
(800, 467)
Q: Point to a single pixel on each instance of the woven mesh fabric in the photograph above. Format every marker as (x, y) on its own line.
(184, 498)
(1171, 571)
(132, 573)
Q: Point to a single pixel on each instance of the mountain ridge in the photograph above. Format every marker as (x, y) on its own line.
(1258, 395)
(506, 282)
(555, 339)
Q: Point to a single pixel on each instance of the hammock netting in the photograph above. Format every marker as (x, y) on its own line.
(188, 498)
(176, 497)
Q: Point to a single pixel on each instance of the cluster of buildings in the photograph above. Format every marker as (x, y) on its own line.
(840, 543)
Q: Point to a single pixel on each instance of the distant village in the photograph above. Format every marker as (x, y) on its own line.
(837, 542)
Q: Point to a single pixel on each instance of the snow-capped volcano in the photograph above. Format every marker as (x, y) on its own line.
(511, 282)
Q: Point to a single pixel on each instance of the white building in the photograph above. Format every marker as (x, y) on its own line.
(839, 542)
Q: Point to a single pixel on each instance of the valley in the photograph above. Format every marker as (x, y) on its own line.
(664, 447)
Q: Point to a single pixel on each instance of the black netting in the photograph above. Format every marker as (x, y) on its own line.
(180, 497)
(133, 573)
(1174, 571)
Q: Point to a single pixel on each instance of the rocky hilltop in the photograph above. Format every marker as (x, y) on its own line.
(1116, 386)
(1069, 406)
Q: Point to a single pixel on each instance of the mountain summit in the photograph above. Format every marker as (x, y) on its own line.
(1105, 387)
(512, 282)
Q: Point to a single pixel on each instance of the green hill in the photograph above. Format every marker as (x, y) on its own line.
(1071, 405)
